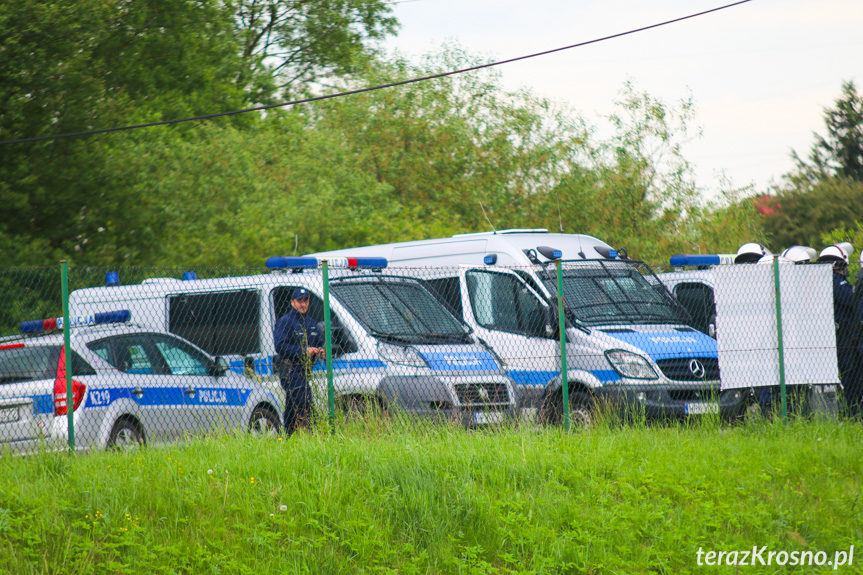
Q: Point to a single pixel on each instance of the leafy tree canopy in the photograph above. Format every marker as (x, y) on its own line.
(89, 64)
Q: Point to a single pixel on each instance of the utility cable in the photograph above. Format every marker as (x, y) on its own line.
(371, 88)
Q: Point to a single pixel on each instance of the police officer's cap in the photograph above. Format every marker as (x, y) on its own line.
(300, 293)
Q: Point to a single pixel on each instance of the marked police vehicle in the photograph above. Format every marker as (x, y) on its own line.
(130, 385)
(628, 341)
(393, 342)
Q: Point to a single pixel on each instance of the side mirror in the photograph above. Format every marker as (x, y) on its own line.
(711, 330)
(220, 366)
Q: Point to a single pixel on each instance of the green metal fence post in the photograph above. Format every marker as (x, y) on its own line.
(564, 378)
(779, 337)
(70, 393)
(328, 345)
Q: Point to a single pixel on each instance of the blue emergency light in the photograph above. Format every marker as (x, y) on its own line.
(112, 279)
(50, 324)
(284, 262)
(681, 260)
(189, 276)
(490, 259)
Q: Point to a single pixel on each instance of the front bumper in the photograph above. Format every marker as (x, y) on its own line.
(673, 402)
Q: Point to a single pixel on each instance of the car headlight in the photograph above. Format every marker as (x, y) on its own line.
(400, 354)
(630, 365)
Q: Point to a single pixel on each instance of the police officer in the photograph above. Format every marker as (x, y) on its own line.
(298, 343)
(854, 391)
(845, 316)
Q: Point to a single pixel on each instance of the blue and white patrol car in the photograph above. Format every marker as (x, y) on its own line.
(130, 385)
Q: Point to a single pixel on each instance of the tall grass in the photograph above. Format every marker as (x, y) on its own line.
(378, 497)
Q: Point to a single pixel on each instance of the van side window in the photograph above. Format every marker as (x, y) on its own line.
(220, 323)
(502, 302)
(697, 298)
(342, 341)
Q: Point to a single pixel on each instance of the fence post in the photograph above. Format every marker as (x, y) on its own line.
(779, 338)
(564, 378)
(67, 355)
(328, 346)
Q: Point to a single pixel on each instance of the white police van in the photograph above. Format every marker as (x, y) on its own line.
(130, 385)
(628, 341)
(394, 344)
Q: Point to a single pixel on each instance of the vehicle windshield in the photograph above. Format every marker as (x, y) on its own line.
(399, 310)
(28, 362)
(600, 292)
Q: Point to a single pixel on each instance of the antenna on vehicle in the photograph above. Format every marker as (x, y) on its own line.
(296, 243)
(580, 249)
(486, 217)
(559, 215)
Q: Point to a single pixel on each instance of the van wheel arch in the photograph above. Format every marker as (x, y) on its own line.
(581, 405)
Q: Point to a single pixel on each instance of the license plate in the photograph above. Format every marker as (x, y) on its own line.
(485, 417)
(9, 415)
(702, 408)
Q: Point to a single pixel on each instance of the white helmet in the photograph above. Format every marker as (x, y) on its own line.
(751, 253)
(833, 254)
(800, 254)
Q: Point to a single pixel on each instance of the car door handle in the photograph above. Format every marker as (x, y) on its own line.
(190, 391)
(138, 392)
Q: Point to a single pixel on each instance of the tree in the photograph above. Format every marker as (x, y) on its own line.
(66, 68)
(840, 154)
(301, 42)
(825, 192)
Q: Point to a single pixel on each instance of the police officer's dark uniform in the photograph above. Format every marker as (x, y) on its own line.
(854, 389)
(845, 316)
(298, 342)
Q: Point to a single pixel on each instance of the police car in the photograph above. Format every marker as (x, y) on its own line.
(130, 386)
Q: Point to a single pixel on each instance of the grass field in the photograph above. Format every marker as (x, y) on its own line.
(639, 499)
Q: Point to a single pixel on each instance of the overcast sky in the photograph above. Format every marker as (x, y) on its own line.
(760, 73)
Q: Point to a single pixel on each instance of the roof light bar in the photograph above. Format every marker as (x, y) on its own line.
(284, 262)
(54, 323)
(681, 260)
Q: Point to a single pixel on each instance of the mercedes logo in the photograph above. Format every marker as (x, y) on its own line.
(697, 368)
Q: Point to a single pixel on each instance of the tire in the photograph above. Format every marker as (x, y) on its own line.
(264, 421)
(580, 410)
(125, 435)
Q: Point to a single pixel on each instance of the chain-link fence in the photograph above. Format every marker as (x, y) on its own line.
(158, 354)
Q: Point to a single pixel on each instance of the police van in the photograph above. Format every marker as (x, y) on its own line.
(627, 340)
(393, 342)
(130, 385)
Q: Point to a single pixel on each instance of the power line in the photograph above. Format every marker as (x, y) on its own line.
(372, 88)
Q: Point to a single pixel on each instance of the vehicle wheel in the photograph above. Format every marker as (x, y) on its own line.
(264, 421)
(126, 434)
(580, 411)
(581, 415)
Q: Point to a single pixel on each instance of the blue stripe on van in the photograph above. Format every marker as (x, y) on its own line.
(341, 364)
(460, 361)
(606, 375)
(532, 378)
